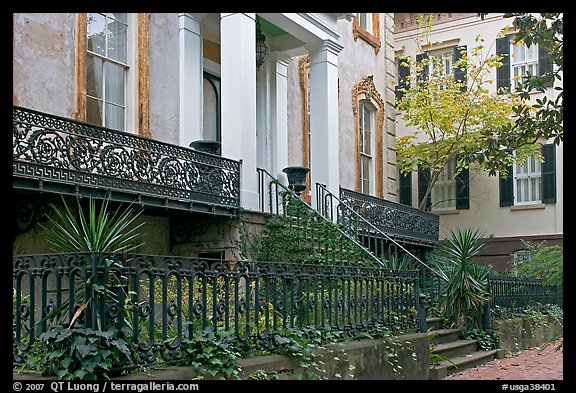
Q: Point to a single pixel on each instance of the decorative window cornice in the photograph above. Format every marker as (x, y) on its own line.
(432, 46)
(366, 90)
(371, 38)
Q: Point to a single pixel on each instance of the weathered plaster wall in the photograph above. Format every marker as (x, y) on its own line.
(44, 58)
(164, 77)
(356, 61)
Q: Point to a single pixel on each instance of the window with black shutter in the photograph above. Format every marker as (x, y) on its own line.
(503, 72)
(403, 78)
(549, 174)
(423, 181)
(405, 188)
(460, 73)
(507, 188)
(422, 74)
(463, 190)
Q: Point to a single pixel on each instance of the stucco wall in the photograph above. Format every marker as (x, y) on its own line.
(164, 77)
(44, 58)
(356, 61)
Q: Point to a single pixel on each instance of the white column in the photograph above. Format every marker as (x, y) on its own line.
(238, 77)
(190, 79)
(324, 146)
(279, 110)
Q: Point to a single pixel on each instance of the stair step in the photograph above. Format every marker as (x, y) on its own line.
(461, 363)
(455, 348)
(434, 323)
(441, 336)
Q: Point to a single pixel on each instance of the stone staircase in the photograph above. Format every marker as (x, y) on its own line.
(453, 353)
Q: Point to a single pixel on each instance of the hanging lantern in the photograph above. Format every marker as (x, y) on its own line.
(261, 48)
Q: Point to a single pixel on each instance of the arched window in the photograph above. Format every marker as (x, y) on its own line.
(366, 124)
(211, 107)
(368, 108)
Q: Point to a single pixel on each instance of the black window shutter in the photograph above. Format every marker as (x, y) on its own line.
(463, 190)
(503, 72)
(403, 82)
(423, 74)
(406, 189)
(549, 174)
(544, 65)
(507, 189)
(460, 73)
(423, 181)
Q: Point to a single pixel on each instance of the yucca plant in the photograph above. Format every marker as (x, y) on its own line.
(100, 231)
(465, 291)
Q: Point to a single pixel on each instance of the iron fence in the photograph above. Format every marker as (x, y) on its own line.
(517, 293)
(159, 302)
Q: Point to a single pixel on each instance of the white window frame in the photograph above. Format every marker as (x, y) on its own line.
(519, 68)
(530, 175)
(365, 22)
(444, 189)
(130, 77)
(446, 55)
(364, 154)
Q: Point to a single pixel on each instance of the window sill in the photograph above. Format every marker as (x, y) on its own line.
(528, 207)
(445, 212)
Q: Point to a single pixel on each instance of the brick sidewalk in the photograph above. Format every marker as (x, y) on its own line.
(545, 362)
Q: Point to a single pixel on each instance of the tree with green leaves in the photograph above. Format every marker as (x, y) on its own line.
(547, 31)
(546, 262)
(456, 117)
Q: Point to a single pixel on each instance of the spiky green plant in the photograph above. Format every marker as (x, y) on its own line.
(465, 291)
(99, 230)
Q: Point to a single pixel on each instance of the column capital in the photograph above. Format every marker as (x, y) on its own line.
(281, 58)
(326, 45)
(191, 22)
(250, 15)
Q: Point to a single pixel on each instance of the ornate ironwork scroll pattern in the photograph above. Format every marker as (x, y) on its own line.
(64, 150)
(393, 218)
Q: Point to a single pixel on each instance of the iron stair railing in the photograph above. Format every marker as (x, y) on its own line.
(274, 198)
(354, 224)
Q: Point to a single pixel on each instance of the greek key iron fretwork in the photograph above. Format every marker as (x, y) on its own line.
(397, 220)
(71, 152)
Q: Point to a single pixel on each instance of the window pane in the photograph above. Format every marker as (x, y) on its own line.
(114, 83)
(362, 20)
(366, 187)
(367, 143)
(520, 190)
(210, 108)
(94, 82)
(94, 111)
(117, 39)
(120, 16)
(96, 40)
(114, 117)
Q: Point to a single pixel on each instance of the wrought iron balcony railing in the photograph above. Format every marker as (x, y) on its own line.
(56, 154)
(400, 222)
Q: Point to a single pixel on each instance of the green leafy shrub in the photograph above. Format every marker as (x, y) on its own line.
(79, 353)
(214, 352)
(486, 340)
